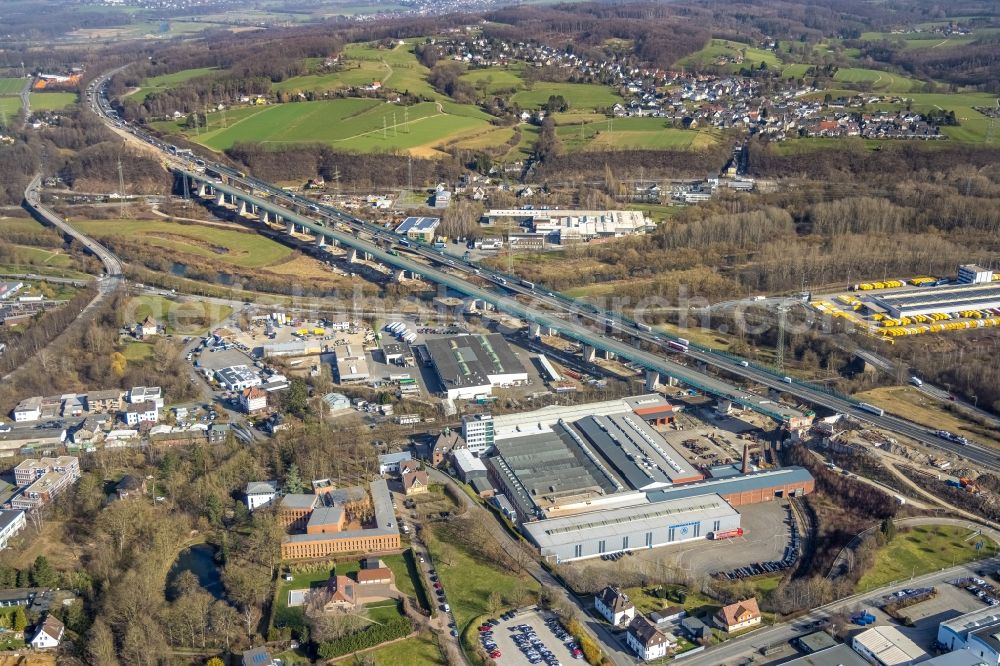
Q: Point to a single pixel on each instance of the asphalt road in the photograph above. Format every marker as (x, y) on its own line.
(734, 651)
(545, 305)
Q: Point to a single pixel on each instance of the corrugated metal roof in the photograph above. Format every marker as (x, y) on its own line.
(737, 484)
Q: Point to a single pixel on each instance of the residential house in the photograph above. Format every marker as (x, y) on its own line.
(341, 594)
(143, 412)
(146, 328)
(11, 522)
(253, 399)
(258, 656)
(614, 606)
(140, 394)
(90, 431)
(447, 441)
(415, 482)
(408, 466)
(260, 493)
(104, 402)
(49, 634)
(130, 486)
(34, 599)
(389, 463)
(646, 640)
(738, 616)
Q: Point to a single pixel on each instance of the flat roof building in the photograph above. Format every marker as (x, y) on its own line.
(887, 646)
(639, 454)
(544, 470)
(946, 299)
(471, 365)
(838, 655)
(973, 274)
(419, 228)
(351, 365)
(978, 632)
(565, 226)
(645, 526)
(237, 377)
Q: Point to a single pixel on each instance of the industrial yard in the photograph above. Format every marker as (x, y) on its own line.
(919, 305)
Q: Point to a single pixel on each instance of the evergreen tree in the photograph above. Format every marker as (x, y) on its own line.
(888, 529)
(293, 480)
(42, 574)
(20, 619)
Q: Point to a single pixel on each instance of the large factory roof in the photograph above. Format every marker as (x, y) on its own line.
(551, 465)
(636, 452)
(945, 298)
(470, 360)
(514, 425)
(557, 532)
(735, 484)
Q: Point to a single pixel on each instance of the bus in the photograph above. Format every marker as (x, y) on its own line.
(676, 346)
(529, 285)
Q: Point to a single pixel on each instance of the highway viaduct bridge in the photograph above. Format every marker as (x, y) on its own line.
(325, 232)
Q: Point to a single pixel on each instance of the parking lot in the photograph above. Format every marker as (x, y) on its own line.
(530, 637)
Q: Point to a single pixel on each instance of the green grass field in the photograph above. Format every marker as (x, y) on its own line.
(186, 316)
(879, 80)
(635, 133)
(973, 126)
(493, 80)
(137, 352)
(402, 71)
(246, 250)
(42, 256)
(11, 86)
(722, 48)
(794, 71)
(468, 582)
(361, 73)
(281, 614)
(348, 124)
(165, 81)
(10, 106)
(921, 550)
(579, 96)
(51, 101)
(420, 650)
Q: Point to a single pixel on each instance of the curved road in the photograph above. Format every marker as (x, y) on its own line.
(32, 201)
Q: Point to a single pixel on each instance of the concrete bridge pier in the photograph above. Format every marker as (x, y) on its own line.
(201, 189)
(241, 208)
(320, 240)
(589, 354)
(652, 380)
(263, 216)
(352, 256)
(221, 199)
(535, 330)
(289, 228)
(607, 354)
